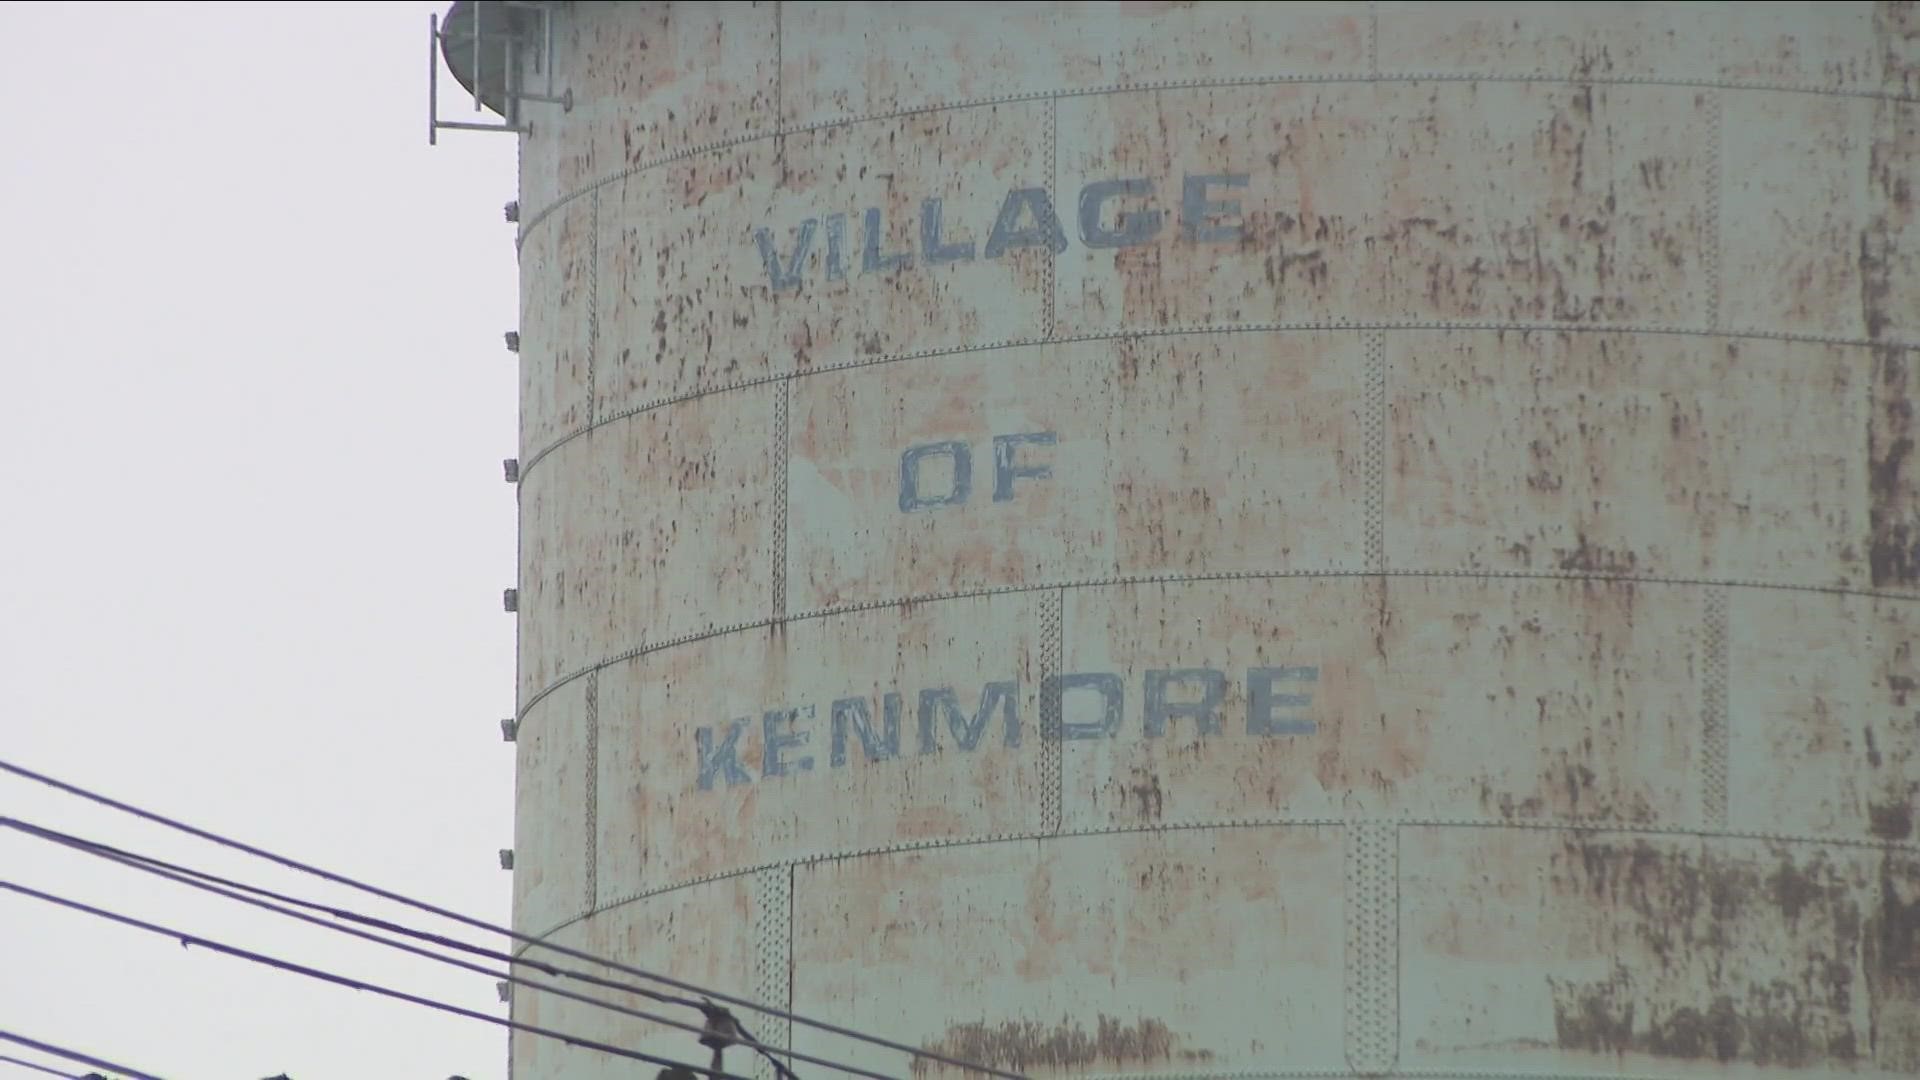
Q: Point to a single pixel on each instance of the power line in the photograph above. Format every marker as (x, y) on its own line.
(187, 939)
(478, 924)
(70, 1055)
(38, 1068)
(235, 890)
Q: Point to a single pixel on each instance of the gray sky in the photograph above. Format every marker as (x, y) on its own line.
(257, 400)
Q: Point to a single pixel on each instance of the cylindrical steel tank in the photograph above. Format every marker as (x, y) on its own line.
(1221, 540)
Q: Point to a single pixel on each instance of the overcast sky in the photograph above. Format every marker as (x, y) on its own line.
(256, 400)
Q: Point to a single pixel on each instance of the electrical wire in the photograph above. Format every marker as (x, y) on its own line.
(234, 890)
(187, 939)
(71, 1055)
(38, 1068)
(478, 924)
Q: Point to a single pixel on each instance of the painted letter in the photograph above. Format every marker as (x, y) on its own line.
(1128, 229)
(836, 247)
(932, 248)
(720, 760)
(1263, 699)
(776, 741)
(1197, 211)
(790, 277)
(855, 712)
(871, 260)
(910, 497)
(1004, 469)
(967, 732)
(1206, 711)
(1053, 692)
(1044, 232)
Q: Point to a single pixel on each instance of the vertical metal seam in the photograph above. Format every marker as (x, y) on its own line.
(1715, 100)
(1053, 200)
(779, 65)
(782, 460)
(1373, 39)
(593, 309)
(786, 1026)
(593, 792)
(1373, 950)
(1714, 736)
(1374, 426)
(773, 947)
(1052, 760)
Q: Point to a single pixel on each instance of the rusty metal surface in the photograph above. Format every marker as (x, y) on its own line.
(1231, 540)
(835, 791)
(1637, 455)
(703, 934)
(1180, 455)
(1537, 950)
(1184, 953)
(618, 545)
(552, 842)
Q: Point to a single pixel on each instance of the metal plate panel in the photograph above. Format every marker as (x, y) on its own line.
(702, 934)
(1355, 202)
(929, 54)
(664, 818)
(1171, 455)
(791, 276)
(1636, 455)
(1838, 253)
(648, 80)
(555, 280)
(1186, 953)
(1824, 717)
(649, 528)
(1593, 953)
(1833, 46)
(551, 812)
(1452, 698)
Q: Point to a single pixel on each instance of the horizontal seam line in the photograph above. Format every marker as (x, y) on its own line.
(1188, 84)
(526, 467)
(1153, 579)
(1310, 822)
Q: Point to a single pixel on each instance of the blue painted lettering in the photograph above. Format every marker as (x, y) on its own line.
(1053, 693)
(966, 732)
(1204, 712)
(789, 278)
(1199, 216)
(836, 247)
(1128, 229)
(1044, 232)
(856, 714)
(1004, 467)
(932, 247)
(720, 761)
(1265, 700)
(871, 261)
(910, 495)
(778, 736)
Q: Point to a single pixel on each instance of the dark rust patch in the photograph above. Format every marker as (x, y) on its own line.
(1023, 1045)
(1746, 958)
(1893, 548)
(1892, 951)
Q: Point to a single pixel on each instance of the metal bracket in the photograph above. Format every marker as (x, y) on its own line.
(486, 47)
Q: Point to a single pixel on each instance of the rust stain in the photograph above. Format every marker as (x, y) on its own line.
(1892, 960)
(1893, 546)
(1024, 1045)
(1704, 996)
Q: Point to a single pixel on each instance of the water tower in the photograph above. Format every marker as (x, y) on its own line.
(1219, 540)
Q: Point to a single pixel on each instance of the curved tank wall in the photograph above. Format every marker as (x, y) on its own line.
(1230, 540)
